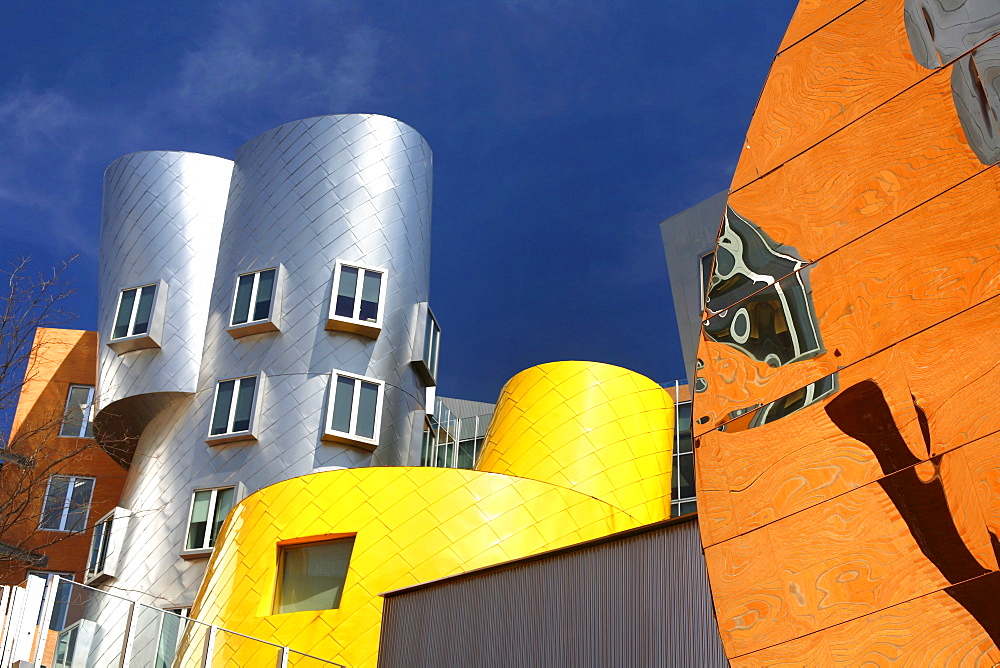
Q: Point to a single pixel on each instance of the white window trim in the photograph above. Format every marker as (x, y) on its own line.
(88, 414)
(64, 515)
(330, 434)
(419, 360)
(135, 311)
(272, 323)
(355, 324)
(246, 434)
(188, 552)
(116, 530)
(157, 314)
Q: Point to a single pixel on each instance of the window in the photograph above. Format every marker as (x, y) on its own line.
(358, 299)
(74, 642)
(355, 409)
(311, 576)
(60, 606)
(139, 318)
(105, 545)
(209, 508)
(683, 492)
(77, 419)
(135, 310)
(67, 500)
(426, 345)
(255, 303)
(232, 412)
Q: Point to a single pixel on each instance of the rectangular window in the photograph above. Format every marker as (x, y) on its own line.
(77, 419)
(432, 343)
(355, 408)
(65, 647)
(254, 297)
(135, 308)
(100, 542)
(60, 607)
(358, 299)
(209, 508)
(232, 412)
(683, 492)
(311, 576)
(67, 500)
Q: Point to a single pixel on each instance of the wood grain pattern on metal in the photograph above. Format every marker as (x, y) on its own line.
(848, 447)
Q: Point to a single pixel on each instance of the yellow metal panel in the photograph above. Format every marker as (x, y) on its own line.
(575, 451)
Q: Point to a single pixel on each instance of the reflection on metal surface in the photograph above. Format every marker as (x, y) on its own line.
(753, 308)
(940, 31)
(975, 87)
(757, 415)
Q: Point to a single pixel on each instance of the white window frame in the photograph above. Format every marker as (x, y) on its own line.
(269, 324)
(64, 514)
(354, 323)
(329, 434)
(135, 311)
(205, 549)
(111, 545)
(246, 434)
(49, 576)
(426, 345)
(87, 417)
(153, 335)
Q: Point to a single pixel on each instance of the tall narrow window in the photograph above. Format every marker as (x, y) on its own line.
(355, 409)
(358, 299)
(104, 547)
(135, 308)
(60, 606)
(209, 508)
(432, 342)
(254, 297)
(77, 419)
(311, 576)
(232, 412)
(67, 501)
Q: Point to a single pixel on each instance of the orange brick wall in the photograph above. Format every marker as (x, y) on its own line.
(61, 358)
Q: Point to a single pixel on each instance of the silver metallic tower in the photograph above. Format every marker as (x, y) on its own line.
(259, 320)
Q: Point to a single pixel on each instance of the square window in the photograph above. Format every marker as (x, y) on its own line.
(139, 318)
(135, 309)
(233, 410)
(311, 576)
(209, 508)
(358, 299)
(66, 504)
(354, 412)
(78, 416)
(255, 303)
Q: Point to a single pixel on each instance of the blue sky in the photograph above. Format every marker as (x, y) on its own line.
(563, 132)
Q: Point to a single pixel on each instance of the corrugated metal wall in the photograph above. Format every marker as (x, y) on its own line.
(639, 600)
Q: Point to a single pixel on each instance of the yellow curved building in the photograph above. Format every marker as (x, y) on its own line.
(575, 451)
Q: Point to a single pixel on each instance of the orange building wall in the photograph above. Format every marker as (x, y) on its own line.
(862, 527)
(61, 358)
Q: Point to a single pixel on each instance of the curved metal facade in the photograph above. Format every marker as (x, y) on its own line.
(161, 221)
(556, 470)
(355, 188)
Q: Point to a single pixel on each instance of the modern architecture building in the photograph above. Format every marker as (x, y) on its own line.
(266, 353)
(259, 319)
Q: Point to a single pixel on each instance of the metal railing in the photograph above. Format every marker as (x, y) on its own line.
(59, 623)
